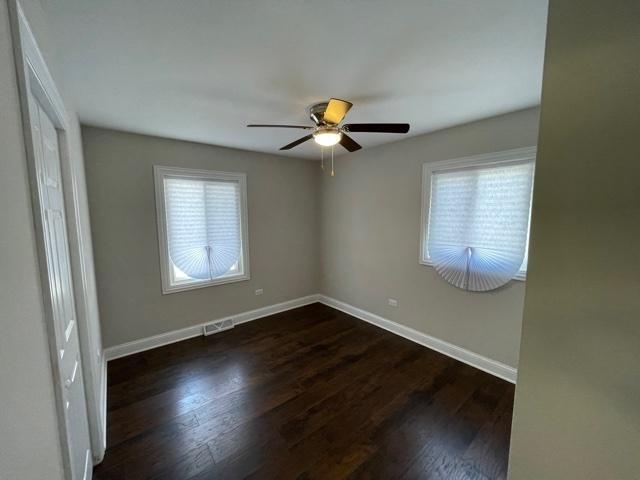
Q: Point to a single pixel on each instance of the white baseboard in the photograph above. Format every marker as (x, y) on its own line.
(148, 343)
(488, 365)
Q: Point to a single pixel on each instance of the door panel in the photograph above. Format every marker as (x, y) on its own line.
(58, 271)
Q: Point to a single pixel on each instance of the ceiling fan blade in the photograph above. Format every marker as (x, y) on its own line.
(282, 126)
(349, 143)
(377, 127)
(336, 110)
(297, 142)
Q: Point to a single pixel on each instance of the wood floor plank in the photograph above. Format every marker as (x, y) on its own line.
(311, 393)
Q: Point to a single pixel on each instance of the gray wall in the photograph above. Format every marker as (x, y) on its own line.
(283, 232)
(28, 424)
(577, 403)
(370, 226)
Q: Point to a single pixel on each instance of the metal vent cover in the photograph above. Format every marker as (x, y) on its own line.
(219, 326)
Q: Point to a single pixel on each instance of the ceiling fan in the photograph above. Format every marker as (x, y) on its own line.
(327, 131)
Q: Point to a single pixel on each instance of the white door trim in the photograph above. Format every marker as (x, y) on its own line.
(34, 79)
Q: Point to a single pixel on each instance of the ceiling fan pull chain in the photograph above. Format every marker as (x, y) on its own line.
(322, 158)
(332, 172)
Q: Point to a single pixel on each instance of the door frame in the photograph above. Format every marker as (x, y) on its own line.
(35, 79)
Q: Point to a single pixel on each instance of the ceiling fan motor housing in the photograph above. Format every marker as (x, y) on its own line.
(316, 112)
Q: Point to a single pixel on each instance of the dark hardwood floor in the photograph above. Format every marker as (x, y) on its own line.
(306, 394)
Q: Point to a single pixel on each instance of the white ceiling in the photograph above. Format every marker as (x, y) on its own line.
(201, 69)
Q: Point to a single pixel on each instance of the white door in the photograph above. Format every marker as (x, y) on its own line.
(47, 155)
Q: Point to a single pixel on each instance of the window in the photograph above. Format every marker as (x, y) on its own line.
(202, 227)
(476, 215)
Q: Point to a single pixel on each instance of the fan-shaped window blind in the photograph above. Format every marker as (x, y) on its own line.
(477, 226)
(202, 224)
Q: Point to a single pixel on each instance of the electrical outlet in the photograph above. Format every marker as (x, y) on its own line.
(259, 291)
(392, 302)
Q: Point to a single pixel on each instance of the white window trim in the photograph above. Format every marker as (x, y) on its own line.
(160, 173)
(519, 155)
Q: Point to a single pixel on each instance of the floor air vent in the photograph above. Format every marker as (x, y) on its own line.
(218, 326)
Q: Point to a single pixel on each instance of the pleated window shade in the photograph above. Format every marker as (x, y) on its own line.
(203, 229)
(478, 223)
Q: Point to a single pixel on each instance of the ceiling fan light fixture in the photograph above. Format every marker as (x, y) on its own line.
(327, 137)
(328, 129)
